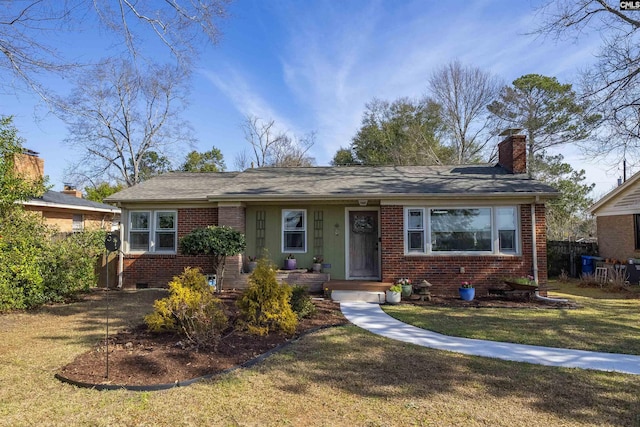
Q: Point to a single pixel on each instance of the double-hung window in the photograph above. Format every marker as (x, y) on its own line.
(153, 231)
(415, 230)
(294, 230)
(461, 230)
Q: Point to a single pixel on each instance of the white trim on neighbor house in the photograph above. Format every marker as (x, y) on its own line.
(425, 228)
(346, 234)
(602, 205)
(70, 207)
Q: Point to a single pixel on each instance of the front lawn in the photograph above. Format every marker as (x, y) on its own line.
(337, 377)
(603, 321)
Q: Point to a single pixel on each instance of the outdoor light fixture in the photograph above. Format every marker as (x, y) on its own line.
(362, 202)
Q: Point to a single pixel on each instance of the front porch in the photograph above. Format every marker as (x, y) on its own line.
(340, 290)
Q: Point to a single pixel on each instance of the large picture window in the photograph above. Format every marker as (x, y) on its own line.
(461, 230)
(153, 231)
(294, 230)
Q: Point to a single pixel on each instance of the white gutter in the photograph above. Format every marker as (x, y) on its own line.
(70, 207)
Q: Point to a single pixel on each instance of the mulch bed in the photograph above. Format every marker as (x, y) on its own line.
(138, 357)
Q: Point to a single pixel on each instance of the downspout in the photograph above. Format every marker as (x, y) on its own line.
(121, 254)
(534, 242)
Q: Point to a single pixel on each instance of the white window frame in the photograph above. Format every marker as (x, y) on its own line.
(152, 230)
(426, 229)
(77, 223)
(283, 230)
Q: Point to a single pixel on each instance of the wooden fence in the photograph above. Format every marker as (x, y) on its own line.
(567, 256)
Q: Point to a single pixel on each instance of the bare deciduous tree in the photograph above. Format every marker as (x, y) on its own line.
(464, 93)
(273, 147)
(27, 48)
(118, 116)
(613, 83)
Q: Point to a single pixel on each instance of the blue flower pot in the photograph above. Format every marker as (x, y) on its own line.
(467, 294)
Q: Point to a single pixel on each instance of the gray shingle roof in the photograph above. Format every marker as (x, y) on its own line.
(335, 182)
(55, 198)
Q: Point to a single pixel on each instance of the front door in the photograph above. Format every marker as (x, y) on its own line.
(363, 244)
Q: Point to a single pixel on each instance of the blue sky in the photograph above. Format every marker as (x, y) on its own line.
(312, 66)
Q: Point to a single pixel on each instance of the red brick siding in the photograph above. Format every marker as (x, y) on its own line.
(235, 217)
(443, 271)
(616, 237)
(158, 270)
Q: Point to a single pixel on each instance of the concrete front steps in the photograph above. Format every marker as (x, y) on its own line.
(358, 296)
(356, 291)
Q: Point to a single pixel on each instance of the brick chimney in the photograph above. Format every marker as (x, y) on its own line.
(72, 191)
(28, 165)
(512, 153)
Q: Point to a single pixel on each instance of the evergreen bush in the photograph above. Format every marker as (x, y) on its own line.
(301, 303)
(264, 306)
(191, 310)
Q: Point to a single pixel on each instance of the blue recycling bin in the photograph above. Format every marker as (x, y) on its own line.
(589, 263)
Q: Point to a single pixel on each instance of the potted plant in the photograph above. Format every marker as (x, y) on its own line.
(467, 291)
(317, 264)
(253, 263)
(290, 262)
(394, 293)
(407, 288)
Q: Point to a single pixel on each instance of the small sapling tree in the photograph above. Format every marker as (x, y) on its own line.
(219, 242)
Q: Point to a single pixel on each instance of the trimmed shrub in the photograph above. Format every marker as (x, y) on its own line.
(264, 306)
(301, 303)
(191, 310)
(71, 265)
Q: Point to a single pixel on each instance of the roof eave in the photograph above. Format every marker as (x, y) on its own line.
(385, 196)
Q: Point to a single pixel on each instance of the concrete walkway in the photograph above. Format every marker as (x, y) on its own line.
(371, 317)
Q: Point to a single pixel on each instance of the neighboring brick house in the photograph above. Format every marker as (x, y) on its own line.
(618, 221)
(445, 224)
(67, 211)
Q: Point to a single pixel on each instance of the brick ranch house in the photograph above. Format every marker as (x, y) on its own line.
(445, 224)
(65, 210)
(618, 221)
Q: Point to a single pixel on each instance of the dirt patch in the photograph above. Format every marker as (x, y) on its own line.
(139, 357)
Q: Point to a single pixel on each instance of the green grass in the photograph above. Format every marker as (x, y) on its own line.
(603, 321)
(338, 377)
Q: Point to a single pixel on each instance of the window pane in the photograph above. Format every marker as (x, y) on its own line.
(294, 220)
(294, 241)
(139, 220)
(461, 229)
(507, 240)
(506, 219)
(165, 220)
(139, 241)
(416, 241)
(165, 241)
(415, 219)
